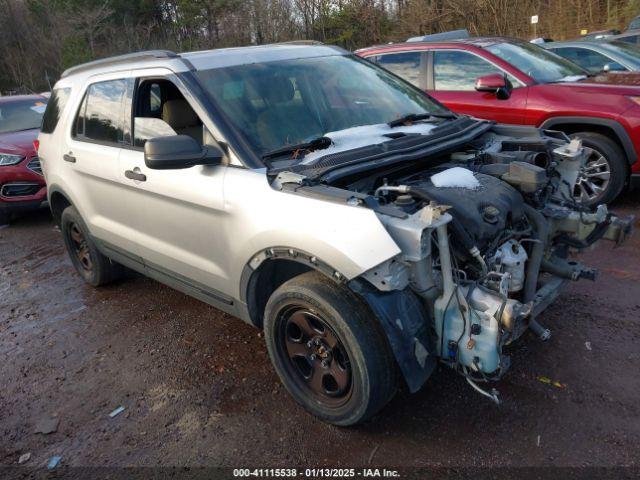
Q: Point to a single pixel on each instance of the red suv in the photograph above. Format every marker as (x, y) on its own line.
(22, 185)
(511, 81)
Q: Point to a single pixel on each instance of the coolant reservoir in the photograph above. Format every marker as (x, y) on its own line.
(512, 257)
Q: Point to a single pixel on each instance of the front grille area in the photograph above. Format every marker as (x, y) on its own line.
(34, 165)
(19, 189)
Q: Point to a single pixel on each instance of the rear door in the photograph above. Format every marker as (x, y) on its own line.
(452, 78)
(93, 146)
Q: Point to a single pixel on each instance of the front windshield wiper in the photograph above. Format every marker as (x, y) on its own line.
(414, 117)
(316, 144)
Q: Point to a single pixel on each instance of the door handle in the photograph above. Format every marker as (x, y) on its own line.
(67, 157)
(133, 175)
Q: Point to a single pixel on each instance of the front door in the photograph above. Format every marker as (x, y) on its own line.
(453, 78)
(180, 213)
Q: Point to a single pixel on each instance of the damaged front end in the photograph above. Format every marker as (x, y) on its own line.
(488, 232)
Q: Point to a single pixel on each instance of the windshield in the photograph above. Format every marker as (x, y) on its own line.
(289, 102)
(538, 63)
(627, 51)
(21, 114)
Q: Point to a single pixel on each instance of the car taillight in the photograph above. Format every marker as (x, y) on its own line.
(36, 145)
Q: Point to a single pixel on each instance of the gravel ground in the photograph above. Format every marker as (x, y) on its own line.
(198, 388)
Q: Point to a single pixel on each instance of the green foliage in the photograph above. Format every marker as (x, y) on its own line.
(38, 36)
(353, 24)
(631, 10)
(75, 50)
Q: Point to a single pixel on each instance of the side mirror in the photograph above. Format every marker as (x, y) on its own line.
(613, 67)
(179, 151)
(494, 83)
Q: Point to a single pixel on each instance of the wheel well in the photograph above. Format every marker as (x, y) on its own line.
(58, 203)
(266, 279)
(608, 132)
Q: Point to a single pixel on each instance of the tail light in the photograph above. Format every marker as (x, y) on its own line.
(36, 145)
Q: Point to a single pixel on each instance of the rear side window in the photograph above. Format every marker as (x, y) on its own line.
(630, 39)
(99, 118)
(55, 107)
(406, 65)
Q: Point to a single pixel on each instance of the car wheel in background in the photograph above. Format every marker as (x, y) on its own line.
(328, 350)
(94, 267)
(604, 175)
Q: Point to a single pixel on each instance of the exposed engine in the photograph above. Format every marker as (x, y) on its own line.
(495, 233)
(486, 236)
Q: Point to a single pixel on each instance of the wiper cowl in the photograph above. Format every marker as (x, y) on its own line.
(315, 144)
(415, 117)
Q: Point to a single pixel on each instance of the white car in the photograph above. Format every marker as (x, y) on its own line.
(369, 231)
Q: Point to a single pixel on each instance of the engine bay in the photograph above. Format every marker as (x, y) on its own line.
(488, 233)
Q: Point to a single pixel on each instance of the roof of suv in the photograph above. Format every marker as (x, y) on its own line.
(224, 57)
(480, 42)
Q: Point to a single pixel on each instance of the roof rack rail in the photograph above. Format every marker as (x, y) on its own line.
(120, 59)
(442, 36)
(300, 42)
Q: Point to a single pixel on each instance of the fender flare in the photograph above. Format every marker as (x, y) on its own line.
(56, 189)
(251, 300)
(285, 253)
(618, 129)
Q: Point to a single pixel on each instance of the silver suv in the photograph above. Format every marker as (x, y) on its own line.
(369, 231)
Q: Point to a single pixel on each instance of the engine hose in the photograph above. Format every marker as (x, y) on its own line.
(561, 268)
(541, 234)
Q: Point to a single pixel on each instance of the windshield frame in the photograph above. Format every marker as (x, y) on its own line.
(240, 142)
(552, 56)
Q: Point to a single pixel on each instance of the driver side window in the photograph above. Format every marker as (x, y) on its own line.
(458, 71)
(160, 110)
(592, 61)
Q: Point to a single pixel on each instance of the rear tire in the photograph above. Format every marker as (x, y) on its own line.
(328, 350)
(93, 266)
(606, 169)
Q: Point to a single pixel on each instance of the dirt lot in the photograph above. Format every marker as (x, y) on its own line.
(199, 389)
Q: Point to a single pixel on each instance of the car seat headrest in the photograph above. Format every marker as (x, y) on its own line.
(276, 88)
(179, 114)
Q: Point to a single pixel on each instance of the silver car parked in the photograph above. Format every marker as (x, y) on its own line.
(368, 230)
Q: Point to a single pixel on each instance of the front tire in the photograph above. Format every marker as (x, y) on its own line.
(605, 173)
(93, 267)
(328, 350)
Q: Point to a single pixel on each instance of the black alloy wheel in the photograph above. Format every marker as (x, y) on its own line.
(80, 247)
(314, 355)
